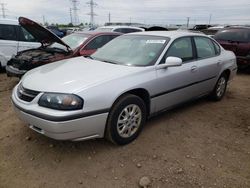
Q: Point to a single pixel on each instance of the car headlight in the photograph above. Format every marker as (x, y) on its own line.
(60, 101)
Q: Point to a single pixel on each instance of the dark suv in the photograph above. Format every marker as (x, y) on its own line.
(236, 39)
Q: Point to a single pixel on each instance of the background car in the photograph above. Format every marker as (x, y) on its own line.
(60, 33)
(211, 31)
(14, 38)
(71, 30)
(236, 39)
(201, 27)
(120, 29)
(133, 77)
(54, 48)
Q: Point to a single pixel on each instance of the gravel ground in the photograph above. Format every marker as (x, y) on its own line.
(203, 144)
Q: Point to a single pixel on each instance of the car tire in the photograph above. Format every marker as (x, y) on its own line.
(126, 119)
(219, 88)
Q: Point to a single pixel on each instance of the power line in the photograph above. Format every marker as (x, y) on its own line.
(74, 10)
(44, 20)
(188, 21)
(92, 14)
(70, 14)
(210, 18)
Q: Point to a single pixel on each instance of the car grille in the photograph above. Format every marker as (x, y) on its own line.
(26, 94)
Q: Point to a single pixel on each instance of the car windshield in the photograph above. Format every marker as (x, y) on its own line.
(134, 50)
(73, 41)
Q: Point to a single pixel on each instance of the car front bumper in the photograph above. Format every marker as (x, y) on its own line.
(12, 71)
(87, 127)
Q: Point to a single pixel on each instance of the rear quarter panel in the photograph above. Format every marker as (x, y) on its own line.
(228, 63)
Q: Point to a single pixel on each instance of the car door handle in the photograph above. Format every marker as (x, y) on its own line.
(194, 68)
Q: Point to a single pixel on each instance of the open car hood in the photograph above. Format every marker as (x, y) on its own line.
(40, 33)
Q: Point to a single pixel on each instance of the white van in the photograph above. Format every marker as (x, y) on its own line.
(14, 38)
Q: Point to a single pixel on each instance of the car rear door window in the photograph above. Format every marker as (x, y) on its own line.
(8, 32)
(217, 48)
(205, 47)
(121, 30)
(98, 42)
(181, 48)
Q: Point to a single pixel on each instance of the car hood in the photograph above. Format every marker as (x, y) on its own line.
(74, 75)
(40, 33)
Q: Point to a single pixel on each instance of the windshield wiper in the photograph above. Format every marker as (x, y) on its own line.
(89, 57)
(106, 61)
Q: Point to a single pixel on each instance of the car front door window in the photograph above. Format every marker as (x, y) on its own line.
(205, 47)
(98, 42)
(181, 48)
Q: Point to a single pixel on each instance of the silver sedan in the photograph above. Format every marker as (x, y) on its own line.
(113, 92)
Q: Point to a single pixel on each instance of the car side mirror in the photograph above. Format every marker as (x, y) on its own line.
(170, 62)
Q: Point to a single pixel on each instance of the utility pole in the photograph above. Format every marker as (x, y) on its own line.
(109, 17)
(44, 20)
(70, 14)
(74, 10)
(3, 9)
(210, 18)
(188, 22)
(92, 4)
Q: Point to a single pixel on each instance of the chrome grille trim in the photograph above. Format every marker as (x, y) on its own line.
(26, 94)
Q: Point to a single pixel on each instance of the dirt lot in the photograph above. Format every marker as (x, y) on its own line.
(204, 144)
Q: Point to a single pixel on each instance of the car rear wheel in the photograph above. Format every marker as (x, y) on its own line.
(126, 119)
(220, 88)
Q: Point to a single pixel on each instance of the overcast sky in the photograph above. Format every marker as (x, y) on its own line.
(142, 11)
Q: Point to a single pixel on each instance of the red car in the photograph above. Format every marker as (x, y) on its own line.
(236, 39)
(53, 48)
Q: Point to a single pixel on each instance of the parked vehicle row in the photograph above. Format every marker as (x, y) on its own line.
(53, 48)
(14, 38)
(236, 39)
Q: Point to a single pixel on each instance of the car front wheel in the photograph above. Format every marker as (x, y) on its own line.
(126, 119)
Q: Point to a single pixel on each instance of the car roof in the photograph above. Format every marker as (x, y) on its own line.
(170, 34)
(97, 33)
(9, 21)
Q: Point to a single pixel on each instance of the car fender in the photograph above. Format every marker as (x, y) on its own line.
(229, 63)
(112, 90)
